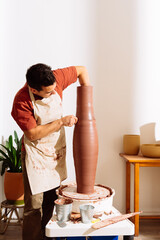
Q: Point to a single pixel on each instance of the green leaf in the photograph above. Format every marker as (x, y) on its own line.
(3, 153)
(7, 144)
(10, 143)
(14, 156)
(19, 145)
(2, 159)
(10, 153)
(16, 139)
(8, 164)
(4, 166)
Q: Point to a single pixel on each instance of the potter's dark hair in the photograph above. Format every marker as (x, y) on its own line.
(40, 75)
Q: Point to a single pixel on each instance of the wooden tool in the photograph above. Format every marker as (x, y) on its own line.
(112, 220)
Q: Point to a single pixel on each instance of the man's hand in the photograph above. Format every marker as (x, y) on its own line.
(69, 121)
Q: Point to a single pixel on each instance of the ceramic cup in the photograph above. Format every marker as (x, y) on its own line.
(86, 212)
(131, 144)
(63, 209)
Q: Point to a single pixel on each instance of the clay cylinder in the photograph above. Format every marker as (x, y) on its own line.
(131, 144)
(85, 141)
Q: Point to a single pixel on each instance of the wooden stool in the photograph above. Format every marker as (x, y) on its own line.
(6, 217)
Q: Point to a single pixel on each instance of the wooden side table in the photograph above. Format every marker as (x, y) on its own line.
(6, 217)
(138, 161)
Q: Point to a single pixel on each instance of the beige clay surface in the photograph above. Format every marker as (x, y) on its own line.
(100, 192)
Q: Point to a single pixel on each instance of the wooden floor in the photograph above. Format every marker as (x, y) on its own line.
(149, 230)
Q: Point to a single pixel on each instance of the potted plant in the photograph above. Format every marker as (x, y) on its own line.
(10, 156)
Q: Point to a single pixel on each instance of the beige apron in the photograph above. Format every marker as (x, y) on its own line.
(45, 158)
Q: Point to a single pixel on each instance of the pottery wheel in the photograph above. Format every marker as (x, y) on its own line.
(70, 191)
(101, 198)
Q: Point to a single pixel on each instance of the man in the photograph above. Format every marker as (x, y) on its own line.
(37, 109)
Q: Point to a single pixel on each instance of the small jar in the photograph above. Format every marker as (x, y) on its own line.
(131, 144)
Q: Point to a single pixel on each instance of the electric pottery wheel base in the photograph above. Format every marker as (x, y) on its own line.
(101, 199)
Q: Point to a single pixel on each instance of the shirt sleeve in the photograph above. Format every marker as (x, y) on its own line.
(65, 76)
(23, 115)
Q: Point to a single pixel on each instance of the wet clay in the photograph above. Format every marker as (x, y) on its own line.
(63, 201)
(70, 192)
(85, 141)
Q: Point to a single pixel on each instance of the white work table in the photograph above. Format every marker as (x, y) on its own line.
(123, 228)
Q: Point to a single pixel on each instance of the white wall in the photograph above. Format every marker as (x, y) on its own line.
(115, 90)
(118, 41)
(58, 33)
(127, 91)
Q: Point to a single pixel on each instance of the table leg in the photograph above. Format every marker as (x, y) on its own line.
(17, 214)
(128, 237)
(136, 197)
(128, 183)
(7, 220)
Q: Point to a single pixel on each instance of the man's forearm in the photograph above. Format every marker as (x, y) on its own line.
(41, 131)
(83, 76)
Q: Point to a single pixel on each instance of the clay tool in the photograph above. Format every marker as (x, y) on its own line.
(113, 220)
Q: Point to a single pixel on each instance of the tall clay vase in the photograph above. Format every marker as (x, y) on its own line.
(85, 141)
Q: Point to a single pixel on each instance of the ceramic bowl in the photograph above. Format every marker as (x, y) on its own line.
(150, 150)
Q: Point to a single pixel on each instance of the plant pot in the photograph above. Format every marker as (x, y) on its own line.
(131, 144)
(14, 188)
(85, 141)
